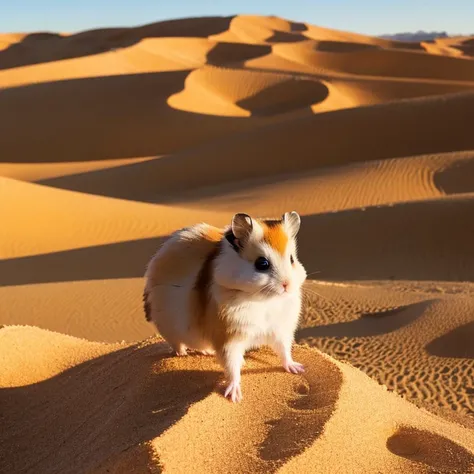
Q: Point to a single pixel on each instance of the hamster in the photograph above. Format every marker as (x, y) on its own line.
(224, 291)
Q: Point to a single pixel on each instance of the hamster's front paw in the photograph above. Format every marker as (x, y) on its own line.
(293, 367)
(235, 392)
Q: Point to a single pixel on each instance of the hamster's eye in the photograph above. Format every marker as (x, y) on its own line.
(292, 260)
(262, 264)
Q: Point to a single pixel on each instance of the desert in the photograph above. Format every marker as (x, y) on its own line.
(113, 138)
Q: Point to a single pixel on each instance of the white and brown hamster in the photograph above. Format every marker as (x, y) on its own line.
(225, 291)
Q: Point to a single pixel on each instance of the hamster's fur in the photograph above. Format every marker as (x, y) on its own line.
(225, 291)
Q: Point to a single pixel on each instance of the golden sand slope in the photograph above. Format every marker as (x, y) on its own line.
(110, 139)
(131, 407)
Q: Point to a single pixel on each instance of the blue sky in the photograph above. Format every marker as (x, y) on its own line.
(363, 16)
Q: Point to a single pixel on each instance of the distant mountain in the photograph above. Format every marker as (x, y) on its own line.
(418, 36)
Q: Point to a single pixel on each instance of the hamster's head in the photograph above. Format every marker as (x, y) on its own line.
(259, 257)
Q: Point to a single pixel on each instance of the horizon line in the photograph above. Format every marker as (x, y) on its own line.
(139, 25)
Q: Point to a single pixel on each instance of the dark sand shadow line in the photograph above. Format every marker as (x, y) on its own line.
(118, 260)
(273, 101)
(286, 37)
(458, 343)
(370, 324)
(307, 414)
(456, 178)
(425, 448)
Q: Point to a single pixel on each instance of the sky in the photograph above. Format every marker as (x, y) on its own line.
(372, 17)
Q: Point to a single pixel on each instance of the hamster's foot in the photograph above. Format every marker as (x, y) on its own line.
(293, 367)
(208, 352)
(235, 392)
(180, 350)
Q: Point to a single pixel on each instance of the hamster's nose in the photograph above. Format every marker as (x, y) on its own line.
(285, 285)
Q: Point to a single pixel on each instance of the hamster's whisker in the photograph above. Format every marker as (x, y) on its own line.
(316, 293)
(261, 290)
(313, 273)
(266, 289)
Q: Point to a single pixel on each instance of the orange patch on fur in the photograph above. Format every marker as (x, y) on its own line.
(214, 234)
(275, 236)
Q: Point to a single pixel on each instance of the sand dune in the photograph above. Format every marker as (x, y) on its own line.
(456, 46)
(361, 59)
(110, 139)
(107, 389)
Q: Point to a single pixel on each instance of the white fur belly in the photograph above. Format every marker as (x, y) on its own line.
(263, 321)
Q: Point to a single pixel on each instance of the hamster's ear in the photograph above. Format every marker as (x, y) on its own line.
(242, 226)
(292, 222)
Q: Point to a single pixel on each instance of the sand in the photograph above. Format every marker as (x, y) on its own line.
(111, 139)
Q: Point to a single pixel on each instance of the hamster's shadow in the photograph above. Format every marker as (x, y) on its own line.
(252, 355)
(98, 409)
(255, 355)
